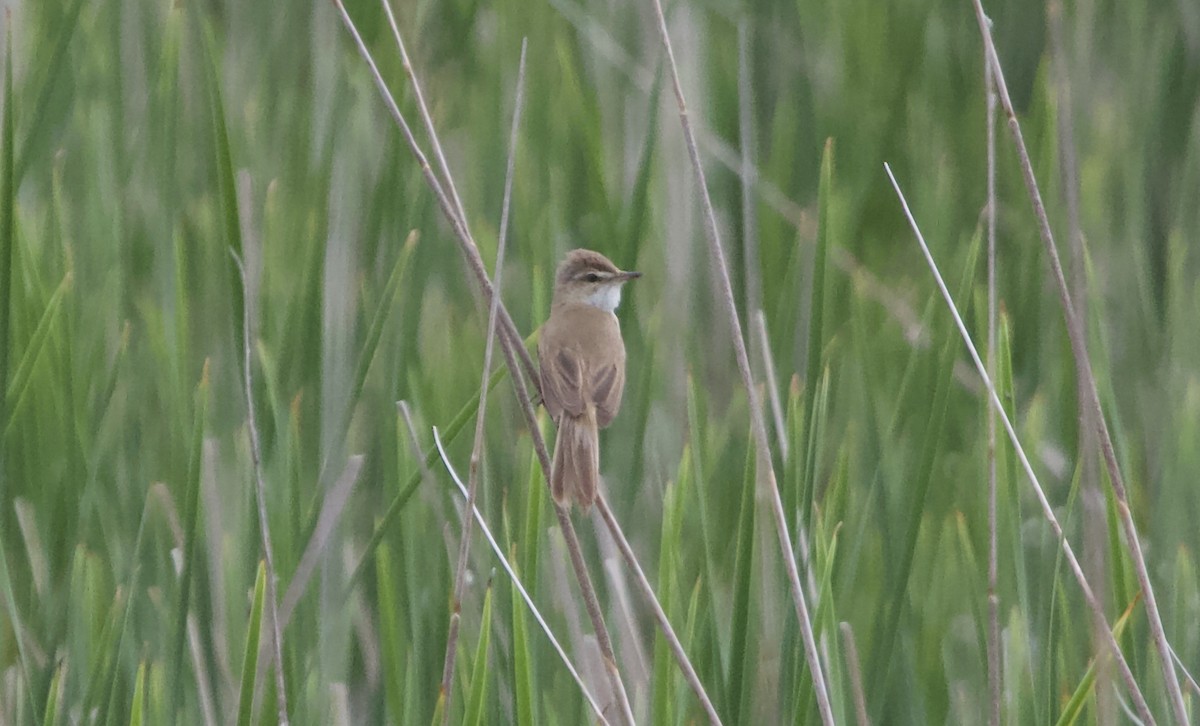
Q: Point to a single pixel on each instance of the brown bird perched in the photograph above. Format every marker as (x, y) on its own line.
(582, 361)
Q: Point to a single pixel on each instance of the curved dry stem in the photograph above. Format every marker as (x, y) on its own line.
(757, 421)
(1073, 562)
(1078, 340)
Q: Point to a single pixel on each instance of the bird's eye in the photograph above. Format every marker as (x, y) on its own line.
(592, 277)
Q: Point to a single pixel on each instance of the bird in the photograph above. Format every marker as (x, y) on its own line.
(581, 360)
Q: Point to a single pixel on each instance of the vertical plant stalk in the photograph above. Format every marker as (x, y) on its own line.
(664, 623)
(464, 545)
(509, 345)
(1078, 340)
(260, 498)
(757, 421)
(993, 597)
(746, 140)
(1073, 562)
(856, 685)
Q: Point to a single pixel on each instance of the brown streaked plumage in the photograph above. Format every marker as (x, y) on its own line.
(582, 361)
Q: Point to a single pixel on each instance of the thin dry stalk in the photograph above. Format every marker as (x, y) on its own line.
(537, 615)
(1088, 595)
(758, 424)
(746, 140)
(664, 623)
(1078, 340)
(509, 328)
(856, 684)
(464, 545)
(260, 497)
(993, 597)
(509, 345)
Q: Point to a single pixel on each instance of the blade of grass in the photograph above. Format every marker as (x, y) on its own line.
(253, 642)
(816, 329)
(522, 659)
(739, 665)
(480, 671)
(57, 60)
(226, 184)
(191, 519)
(389, 625)
(54, 696)
(17, 390)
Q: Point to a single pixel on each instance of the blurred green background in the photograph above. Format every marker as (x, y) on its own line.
(148, 139)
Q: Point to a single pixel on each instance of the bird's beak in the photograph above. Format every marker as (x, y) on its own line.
(628, 275)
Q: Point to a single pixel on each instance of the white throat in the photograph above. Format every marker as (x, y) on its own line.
(606, 297)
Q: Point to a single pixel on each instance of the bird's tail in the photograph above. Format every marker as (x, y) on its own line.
(575, 473)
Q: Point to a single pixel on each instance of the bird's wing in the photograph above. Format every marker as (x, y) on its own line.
(561, 388)
(607, 385)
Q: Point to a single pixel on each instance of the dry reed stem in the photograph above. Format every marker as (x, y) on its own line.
(464, 545)
(260, 497)
(685, 665)
(748, 148)
(1073, 562)
(856, 685)
(467, 246)
(511, 574)
(993, 570)
(1077, 337)
(757, 421)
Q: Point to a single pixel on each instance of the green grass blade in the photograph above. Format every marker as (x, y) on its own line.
(816, 327)
(191, 523)
(226, 184)
(389, 625)
(250, 657)
(480, 671)
(38, 123)
(523, 675)
(740, 685)
(921, 479)
(16, 391)
(137, 710)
